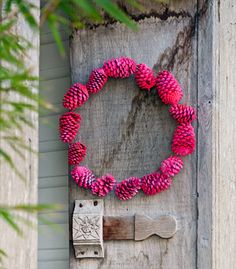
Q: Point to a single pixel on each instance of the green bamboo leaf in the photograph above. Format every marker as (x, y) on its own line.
(7, 157)
(136, 5)
(8, 5)
(36, 208)
(52, 24)
(6, 26)
(9, 218)
(16, 150)
(114, 11)
(89, 9)
(10, 162)
(2, 255)
(25, 8)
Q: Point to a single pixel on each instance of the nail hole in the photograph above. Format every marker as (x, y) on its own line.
(95, 252)
(82, 252)
(209, 102)
(80, 205)
(95, 203)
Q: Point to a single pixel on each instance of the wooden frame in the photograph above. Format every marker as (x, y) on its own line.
(216, 133)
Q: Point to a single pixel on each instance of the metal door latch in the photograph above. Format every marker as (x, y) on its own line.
(90, 228)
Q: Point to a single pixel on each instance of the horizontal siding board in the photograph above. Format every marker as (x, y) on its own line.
(51, 58)
(53, 254)
(54, 73)
(49, 146)
(53, 264)
(60, 196)
(52, 182)
(53, 164)
(54, 89)
(47, 38)
(48, 128)
(54, 217)
(53, 237)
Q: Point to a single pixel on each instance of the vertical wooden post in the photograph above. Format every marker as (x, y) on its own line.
(224, 134)
(22, 251)
(216, 134)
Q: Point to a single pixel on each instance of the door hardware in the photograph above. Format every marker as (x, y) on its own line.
(90, 228)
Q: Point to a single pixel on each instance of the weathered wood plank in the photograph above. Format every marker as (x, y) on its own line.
(223, 135)
(204, 161)
(118, 228)
(22, 251)
(138, 227)
(128, 132)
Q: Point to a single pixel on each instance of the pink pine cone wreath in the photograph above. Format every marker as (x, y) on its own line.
(169, 91)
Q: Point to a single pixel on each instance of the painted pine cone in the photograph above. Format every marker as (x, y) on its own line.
(102, 186)
(183, 142)
(96, 80)
(76, 153)
(121, 67)
(183, 113)
(128, 188)
(154, 183)
(69, 124)
(83, 177)
(168, 88)
(145, 77)
(171, 166)
(76, 96)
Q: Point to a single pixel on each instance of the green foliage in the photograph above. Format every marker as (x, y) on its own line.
(16, 82)
(78, 14)
(15, 216)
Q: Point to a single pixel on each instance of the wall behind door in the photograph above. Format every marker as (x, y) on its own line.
(53, 249)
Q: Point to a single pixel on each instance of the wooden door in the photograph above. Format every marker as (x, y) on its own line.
(128, 131)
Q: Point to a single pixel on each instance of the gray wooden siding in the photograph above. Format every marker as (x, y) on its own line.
(53, 242)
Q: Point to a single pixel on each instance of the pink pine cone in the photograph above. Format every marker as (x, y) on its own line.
(145, 77)
(121, 67)
(168, 88)
(69, 124)
(96, 80)
(128, 188)
(171, 166)
(76, 96)
(183, 113)
(83, 177)
(183, 142)
(102, 186)
(154, 183)
(76, 153)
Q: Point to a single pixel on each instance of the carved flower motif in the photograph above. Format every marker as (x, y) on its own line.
(86, 227)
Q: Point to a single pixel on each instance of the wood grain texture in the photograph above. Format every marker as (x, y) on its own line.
(223, 135)
(163, 226)
(128, 132)
(22, 251)
(118, 228)
(204, 160)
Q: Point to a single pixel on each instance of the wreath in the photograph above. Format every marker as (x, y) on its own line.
(170, 92)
